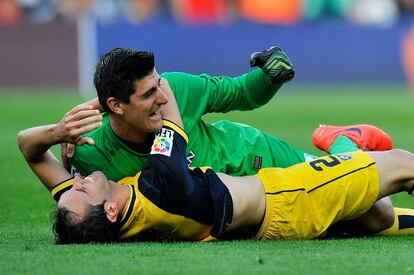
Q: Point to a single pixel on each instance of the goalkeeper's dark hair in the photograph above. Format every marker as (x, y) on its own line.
(117, 71)
(95, 228)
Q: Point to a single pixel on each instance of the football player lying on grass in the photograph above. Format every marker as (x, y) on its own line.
(128, 88)
(167, 200)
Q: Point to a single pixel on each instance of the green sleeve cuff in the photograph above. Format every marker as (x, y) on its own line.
(259, 87)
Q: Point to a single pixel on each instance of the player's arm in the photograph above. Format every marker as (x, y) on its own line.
(170, 110)
(166, 177)
(275, 70)
(200, 94)
(35, 143)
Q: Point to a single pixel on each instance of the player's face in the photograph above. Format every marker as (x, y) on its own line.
(143, 111)
(91, 190)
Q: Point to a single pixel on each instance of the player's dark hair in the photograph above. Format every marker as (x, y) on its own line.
(95, 228)
(117, 71)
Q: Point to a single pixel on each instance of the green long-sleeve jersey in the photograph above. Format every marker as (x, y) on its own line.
(225, 146)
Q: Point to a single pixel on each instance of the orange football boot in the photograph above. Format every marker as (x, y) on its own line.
(367, 137)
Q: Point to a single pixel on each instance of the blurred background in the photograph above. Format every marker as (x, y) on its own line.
(56, 43)
(354, 64)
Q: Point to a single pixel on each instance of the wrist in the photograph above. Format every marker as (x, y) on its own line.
(52, 135)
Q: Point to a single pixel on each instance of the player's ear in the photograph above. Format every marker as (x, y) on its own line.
(115, 105)
(111, 211)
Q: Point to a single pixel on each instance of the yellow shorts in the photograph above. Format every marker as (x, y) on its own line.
(302, 201)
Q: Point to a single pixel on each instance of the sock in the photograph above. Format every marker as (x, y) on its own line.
(403, 223)
(342, 144)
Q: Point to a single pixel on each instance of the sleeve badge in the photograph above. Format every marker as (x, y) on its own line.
(163, 143)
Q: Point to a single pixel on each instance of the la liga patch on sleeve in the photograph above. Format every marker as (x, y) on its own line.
(163, 143)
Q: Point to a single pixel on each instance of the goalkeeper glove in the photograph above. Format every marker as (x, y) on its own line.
(275, 63)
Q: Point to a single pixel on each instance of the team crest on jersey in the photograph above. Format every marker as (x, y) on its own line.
(345, 156)
(163, 142)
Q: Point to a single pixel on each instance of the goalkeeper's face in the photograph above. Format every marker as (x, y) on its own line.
(142, 113)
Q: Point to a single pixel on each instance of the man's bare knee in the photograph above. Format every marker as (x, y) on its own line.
(395, 169)
(401, 155)
(393, 157)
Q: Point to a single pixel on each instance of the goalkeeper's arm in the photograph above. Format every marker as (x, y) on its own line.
(262, 84)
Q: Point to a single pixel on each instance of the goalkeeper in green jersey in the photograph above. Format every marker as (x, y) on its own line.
(130, 93)
(127, 84)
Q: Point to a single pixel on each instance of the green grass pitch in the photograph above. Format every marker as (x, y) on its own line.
(26, 241)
